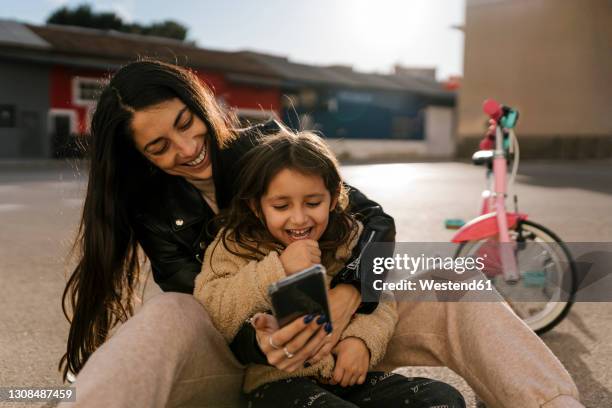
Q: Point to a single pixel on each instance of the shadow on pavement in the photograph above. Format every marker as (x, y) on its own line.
(591, 175)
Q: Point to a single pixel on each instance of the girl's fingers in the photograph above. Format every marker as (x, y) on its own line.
(358, 376)
(352, 377)
(337, 375)
(362, 378)
(312, 243)
(315, 255)
(346, 379)
(315, 251)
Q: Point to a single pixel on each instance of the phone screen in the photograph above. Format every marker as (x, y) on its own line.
(299, 294)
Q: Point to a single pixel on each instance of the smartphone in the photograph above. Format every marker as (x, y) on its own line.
(300, 294)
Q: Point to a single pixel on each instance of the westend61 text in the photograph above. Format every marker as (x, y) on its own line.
(433, 285)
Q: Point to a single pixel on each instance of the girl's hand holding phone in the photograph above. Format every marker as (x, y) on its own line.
(300, 255)
(352, 362)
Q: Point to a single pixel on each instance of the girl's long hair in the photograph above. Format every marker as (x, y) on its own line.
(305, 153)
(100, 290)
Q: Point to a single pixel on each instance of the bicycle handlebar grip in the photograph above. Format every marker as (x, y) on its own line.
(493, 109)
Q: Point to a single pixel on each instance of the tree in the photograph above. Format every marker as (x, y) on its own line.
(84, 16)
(168, 28)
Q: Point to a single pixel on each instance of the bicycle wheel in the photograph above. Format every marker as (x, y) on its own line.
(546, 290)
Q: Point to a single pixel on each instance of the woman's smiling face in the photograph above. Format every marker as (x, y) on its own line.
(174, 139)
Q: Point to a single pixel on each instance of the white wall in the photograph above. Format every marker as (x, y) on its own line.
(439, 131)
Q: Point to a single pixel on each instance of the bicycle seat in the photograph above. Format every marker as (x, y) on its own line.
(483, 157)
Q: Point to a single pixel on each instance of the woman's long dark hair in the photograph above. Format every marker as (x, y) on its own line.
(101, 288)
(305, 153)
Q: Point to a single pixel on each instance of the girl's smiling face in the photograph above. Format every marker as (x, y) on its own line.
(174, 139)
(296, 206)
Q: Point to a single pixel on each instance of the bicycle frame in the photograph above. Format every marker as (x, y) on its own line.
(494, 220)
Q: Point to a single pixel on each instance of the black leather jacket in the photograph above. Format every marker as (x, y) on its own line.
(172, 226)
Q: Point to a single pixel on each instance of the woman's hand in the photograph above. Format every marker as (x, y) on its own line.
(300, 255)
(343, 302)
(299, 338)
(352, 362)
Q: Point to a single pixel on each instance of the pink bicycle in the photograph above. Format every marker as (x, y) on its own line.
(527, 263)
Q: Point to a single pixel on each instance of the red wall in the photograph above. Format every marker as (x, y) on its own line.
(61, 91)
(254, 98)
(242, 96)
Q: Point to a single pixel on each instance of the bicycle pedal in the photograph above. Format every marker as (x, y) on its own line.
(534, 279)
(453, 223)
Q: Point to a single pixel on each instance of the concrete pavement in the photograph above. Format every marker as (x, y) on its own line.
(40, 207)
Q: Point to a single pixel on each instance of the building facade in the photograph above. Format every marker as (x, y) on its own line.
(551, 59)
(50, 78)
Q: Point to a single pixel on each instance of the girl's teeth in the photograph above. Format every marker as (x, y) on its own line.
(299, 233)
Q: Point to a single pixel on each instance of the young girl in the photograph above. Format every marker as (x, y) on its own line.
(290, 213)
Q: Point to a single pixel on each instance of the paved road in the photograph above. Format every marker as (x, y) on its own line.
(39, 210)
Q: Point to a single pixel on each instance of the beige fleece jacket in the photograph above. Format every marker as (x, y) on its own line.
(233, 289)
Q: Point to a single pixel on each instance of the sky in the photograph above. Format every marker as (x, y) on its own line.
(370, 35)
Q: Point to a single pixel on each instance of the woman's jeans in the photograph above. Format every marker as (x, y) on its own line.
(170, 355)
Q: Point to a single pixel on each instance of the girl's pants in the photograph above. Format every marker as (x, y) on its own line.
(379, 390)
(169, 355)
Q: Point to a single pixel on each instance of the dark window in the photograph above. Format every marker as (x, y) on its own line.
(7, 116)
(89, 91)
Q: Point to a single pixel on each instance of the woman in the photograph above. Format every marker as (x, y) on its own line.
(163, 161)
